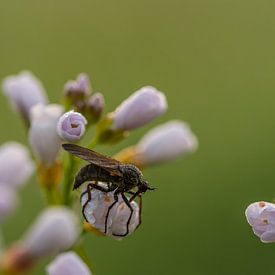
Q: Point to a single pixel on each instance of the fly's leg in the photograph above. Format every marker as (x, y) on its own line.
(90, 186)
(129, 219)
(109, 209)
(137, 194)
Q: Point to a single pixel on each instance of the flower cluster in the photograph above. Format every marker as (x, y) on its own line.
(60, 226)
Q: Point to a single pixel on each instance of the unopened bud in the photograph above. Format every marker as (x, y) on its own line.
(71, 126)
(95, 106)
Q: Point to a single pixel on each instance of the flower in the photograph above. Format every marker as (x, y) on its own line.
(119, 224)
(8, 200)
(95, 212)
(95, 106)
(77, 90)
(161, 144)
(261, 216)
(140, 108)
(55, 230)
(24, 91)
(16, 166)
(43, 134)
(68, 263)
(71, 126)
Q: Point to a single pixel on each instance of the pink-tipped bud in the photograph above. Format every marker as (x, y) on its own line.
(71, 126)
(24, 91)
(78, 89)
(43, 135)
(16, 166)
(140, 108)
(95, 106)
(68, 263)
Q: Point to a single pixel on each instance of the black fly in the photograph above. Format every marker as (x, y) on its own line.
(120, 178)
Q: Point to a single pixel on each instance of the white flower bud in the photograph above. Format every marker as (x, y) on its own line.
(165, 142)
(43, 134)
(16, 166)
(96, 210)
(119, 224)
(68, 263)
(55, 230)
(24, 91)
(8, 200)
(140, 108)
(71, 126)
(261, 216)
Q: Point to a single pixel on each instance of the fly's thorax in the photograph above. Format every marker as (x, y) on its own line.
(132, 176)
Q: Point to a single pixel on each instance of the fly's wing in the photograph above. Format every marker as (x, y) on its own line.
(91, 156)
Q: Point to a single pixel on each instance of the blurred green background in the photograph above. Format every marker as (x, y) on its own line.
(215, 60)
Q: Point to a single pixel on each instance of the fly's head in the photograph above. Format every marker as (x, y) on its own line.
(144, 186)
(131, 175)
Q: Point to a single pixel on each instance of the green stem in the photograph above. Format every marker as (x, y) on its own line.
(69, 179)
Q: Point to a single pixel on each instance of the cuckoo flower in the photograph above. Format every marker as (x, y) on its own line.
(161, 144)
(95, 212)
(71, 126)
(8, 200)
(16, 166)
(55, 230)
(261, 216)
(79, 89)
(140, 108)
(68, 263)
(24, 91)
(43, 134)
(95, 106)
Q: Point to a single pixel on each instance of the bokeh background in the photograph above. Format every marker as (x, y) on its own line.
(215, 60)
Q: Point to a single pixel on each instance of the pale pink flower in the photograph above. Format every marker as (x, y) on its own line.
(71, 126)
(68, 263)
(16, 166)
(24, 91)
(165, 142)
(261, 216)
(43, 135)
(140, 108)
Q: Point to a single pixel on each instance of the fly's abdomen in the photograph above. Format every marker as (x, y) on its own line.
(91, 172)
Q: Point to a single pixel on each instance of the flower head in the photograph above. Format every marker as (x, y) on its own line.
(68, 263)
(8, 200)
(96, 209)
(55, 230)
(95, 106)
(78, 89)
(24, 91)
(16, 166)
(161, 144)
(71, 126)
(43, 134)
(140, 108)
(261, 216)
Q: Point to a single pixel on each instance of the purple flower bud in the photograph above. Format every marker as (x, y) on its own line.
(140, 108)
(8, 200)
(165, 142)
(68, 263)
(24, 91)
(261, 216)
(43, 134)
(77, 90)
(96, 105)
(55, 230)
(71, 126)
(16, 166)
